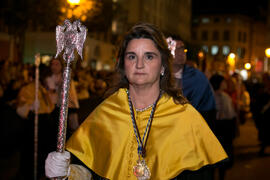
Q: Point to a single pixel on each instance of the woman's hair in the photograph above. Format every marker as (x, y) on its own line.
(147, 31)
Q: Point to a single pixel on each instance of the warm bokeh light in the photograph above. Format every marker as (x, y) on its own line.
(79, 9)
(244, 74)
(232, 55)
(247, 66)
(185, 50)
(231, 59)
(267, 52)
(200, 55)
(74, 2)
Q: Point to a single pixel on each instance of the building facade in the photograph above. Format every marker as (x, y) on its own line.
(173, 17)
(219, 35)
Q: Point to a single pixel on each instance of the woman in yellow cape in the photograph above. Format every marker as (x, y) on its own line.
(145, 129)
(44, 126)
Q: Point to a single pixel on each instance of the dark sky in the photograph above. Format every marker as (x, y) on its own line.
(256, 9)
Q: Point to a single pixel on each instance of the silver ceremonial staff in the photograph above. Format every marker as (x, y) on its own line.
(68, 37)
(37, 62)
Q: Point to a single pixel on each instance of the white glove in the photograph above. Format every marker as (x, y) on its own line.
(57, 164)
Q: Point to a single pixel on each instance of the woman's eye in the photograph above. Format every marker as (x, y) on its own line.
(130, 57)
(149, 57)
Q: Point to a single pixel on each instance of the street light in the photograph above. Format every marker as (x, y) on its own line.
(80, 9)
(202, 62)
(231, 61)
(246, 73)
(267, 53)
(73, 2)
(247, 66)
(200, 55)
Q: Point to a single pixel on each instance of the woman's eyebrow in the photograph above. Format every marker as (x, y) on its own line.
(129, 52)
(151, 53)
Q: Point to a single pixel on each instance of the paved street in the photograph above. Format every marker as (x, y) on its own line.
(248, 165)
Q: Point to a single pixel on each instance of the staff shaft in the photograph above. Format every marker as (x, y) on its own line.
(62, 128)
(36, 120)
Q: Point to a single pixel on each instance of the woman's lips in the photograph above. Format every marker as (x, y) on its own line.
(138, 73)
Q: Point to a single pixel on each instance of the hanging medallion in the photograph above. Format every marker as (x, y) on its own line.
(141, 171)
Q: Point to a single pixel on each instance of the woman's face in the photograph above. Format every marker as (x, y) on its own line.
(56, 66)
(142, 62)
(180, 56)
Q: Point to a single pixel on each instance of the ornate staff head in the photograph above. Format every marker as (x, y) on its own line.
(68, 37)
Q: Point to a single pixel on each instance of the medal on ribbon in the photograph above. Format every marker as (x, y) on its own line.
(141, 170)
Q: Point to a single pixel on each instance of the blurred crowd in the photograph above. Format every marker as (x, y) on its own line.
(239, 101)
(17, 97)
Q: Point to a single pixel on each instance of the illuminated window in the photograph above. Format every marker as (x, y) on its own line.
(225, 50)
(241, 52)
(205, 20)
(205, 48)
(214, 50)
(228, 20)
(196, 21)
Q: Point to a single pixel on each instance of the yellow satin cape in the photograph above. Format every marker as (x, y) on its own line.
(179, 139)
(26, 95)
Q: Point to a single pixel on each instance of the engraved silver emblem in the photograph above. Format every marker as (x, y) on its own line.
(141, 171)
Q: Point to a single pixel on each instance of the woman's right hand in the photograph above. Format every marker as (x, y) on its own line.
(57, 164)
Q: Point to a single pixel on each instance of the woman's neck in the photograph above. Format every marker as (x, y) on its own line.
(143, 97)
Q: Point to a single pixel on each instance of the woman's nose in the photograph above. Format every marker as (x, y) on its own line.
(140, 63)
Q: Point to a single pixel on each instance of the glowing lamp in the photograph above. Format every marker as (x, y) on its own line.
(74, 2)
(231, 59)
(200, 55)
(267, 52)
(247, 66)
